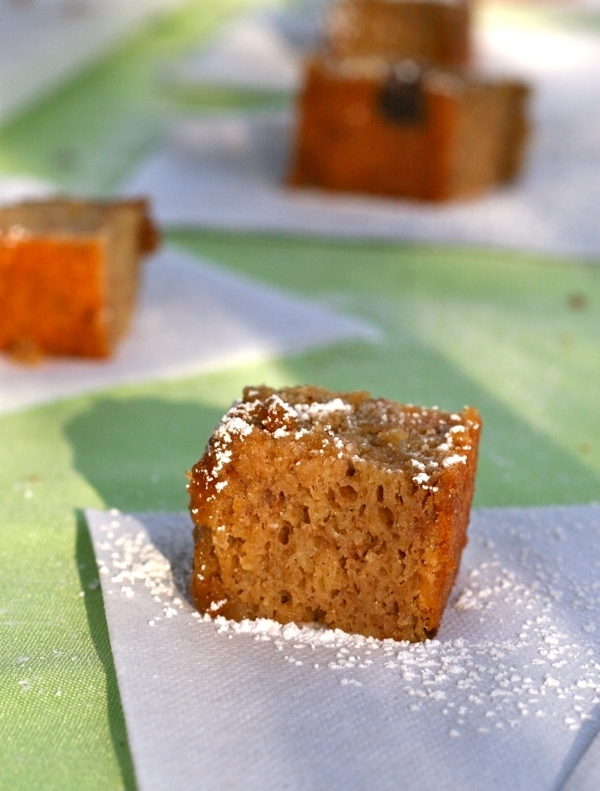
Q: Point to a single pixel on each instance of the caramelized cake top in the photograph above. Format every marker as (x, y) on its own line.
(400, 438)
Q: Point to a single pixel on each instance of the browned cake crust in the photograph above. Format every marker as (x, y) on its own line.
(434, 32)
(365, 126)
(337, 508)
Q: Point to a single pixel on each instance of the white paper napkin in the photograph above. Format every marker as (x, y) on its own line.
(193, 317)
(228, 171)
(262, 51)
(14, 189)
(506, 697)
(43, 43)
(586, 775)
(246, 55)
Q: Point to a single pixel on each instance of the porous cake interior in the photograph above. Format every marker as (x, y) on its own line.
(335, 508)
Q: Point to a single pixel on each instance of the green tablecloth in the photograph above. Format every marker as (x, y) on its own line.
(516, 335)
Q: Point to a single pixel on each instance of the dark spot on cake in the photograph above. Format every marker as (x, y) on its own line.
(284, 533)
(269, 497)
(402, 98)
(386, 516)
(380, 493)
(306, 515)
(350, 471)
(348, 493)
(370, 543)
(285, 597)
(425, 498)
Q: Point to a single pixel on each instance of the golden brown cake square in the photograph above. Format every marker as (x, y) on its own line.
(368, 126)
(335, 508)
(432, 32)
(69, 274)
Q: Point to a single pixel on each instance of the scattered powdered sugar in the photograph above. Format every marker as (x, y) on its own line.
(518, 647)
(236, 423)
(307, 414)
(232, 425)
(132, 563)
(449, 461)
(283, 419)
(319, 412)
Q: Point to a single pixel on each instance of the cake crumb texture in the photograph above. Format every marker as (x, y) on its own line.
(334, 508)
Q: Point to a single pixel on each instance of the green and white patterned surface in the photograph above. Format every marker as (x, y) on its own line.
(516, 335)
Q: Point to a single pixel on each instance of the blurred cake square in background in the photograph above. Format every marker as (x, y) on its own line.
(393, 106)
(436, 32)
(403, 131)
(69, 275)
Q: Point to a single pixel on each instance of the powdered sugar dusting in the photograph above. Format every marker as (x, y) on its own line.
(518, 648)
(449, 461)
(236, 423)
(387, 433)
(318, 412)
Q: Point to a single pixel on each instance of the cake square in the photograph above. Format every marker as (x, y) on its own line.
(69, 274)
(433, 32)
(335, 508)
(368, 126)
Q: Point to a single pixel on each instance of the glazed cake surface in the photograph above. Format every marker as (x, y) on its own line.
(336, 508)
